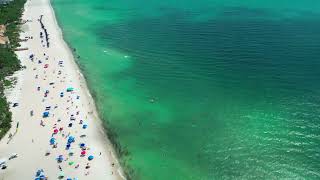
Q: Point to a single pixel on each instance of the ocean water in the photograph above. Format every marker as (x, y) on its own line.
(206, 89)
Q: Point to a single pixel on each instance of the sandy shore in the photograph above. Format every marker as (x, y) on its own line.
(31, 140)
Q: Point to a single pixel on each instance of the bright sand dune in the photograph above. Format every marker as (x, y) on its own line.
(31, 141)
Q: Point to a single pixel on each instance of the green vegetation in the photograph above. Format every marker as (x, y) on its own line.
(10, 16)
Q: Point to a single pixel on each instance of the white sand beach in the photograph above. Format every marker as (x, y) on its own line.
(53, 69)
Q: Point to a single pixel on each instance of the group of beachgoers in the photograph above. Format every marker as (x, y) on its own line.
(65, 142)
(46, 35)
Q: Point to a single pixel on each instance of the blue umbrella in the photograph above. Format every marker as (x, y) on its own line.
(82, 145)
(68, 146)
(84, 126)
(70, 139)
(90, 157)
(45, 114)
(52, 141)
(38, 173)
(60, 158)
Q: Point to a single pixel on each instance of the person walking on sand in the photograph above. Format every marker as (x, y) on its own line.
(17, 127)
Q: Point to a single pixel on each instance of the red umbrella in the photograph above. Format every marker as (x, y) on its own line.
(55, 131)
(83, 152)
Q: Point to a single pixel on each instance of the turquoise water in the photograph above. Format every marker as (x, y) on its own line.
(204, 89)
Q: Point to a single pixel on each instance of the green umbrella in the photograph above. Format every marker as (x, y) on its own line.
(71, 163)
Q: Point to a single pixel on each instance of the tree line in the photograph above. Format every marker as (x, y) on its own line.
(10, 15)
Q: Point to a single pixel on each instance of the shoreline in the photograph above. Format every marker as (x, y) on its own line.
(22, 83)
(88, 92)
(89, 96)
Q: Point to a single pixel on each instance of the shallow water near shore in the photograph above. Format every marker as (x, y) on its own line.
(202, 89)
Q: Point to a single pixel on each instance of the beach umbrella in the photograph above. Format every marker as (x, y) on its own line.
(82, 145)
(70, 125)
(68, 146)
(83, 152)
(70, 139)
(60, 158)
(52, 141)
(38, 173)
(71, 163)
(55, 131)
(69, 179)
(45, 114)
(84, 126)
(90, 158)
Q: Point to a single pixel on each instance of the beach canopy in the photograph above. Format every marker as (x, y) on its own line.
(45, 114)
(90, 157)
(83, 152)
(69, 89)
